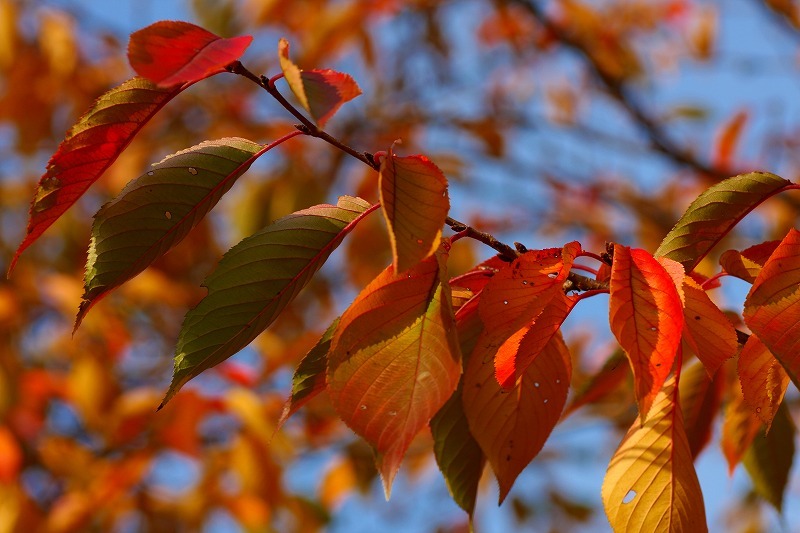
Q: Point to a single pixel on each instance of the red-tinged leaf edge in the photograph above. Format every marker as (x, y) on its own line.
(88, 149)
(747, 264)
(171, 53)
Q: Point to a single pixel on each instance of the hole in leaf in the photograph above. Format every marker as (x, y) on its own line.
(505, 302)
(193, 171)
(629, 497)
(150, 173)
(168, 215)
(363, 407)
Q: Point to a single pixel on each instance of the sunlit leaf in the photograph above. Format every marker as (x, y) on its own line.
(701, 398)
(516, 354)
(706, 330)
(255, 280)
(394, 359)
(457, 453)
(714, 213)
(512, 425)
(89, 148)
(763, 380)
(414, 199)
(740, 425)
(646, 317)
(154, 212)
(171, 52)
(320, 92)
(309, 378)
(769, 459)
(651, 484)
(772, 307)
(748, 263)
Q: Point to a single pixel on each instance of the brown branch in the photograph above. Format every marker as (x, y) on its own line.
(659, 140)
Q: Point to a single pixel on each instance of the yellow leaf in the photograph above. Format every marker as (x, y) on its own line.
(651, 484)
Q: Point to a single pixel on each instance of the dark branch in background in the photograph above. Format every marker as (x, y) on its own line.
(616, 89)
(575, 282)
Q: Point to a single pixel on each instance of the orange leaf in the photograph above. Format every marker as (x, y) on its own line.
(511, 426)
(394, 360)
(748, 263)
(515, 355)
(646, 317)
(651, 484)
(763, 379)
(606, 380)
(10, 456)
(772, 307)
(728, 136)
(414, 200)
(706, 329)
(701, 397)
(740, 425)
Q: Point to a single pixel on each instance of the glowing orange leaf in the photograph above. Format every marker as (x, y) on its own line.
(394, 360)
(763, 379)
(772, 307)
(748, 263)
(651, 484)
(646, 317)
(414, 199)
(707, 331)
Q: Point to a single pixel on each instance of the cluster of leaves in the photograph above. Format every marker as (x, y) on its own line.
(406, 354)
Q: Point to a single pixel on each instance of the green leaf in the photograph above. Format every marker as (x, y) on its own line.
(769, 458)
(714, 213)
(256, 280)
(156, 211)
(309, 378)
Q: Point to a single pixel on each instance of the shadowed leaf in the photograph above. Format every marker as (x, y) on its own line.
(740, 425)
(769, 459)
(395, 360)
(714, 213)
(89, 148)
(414, 199)
(511, 426)
(173, 52)
(748, 263)
(706, 329)
(701, 398)
(154, 212)
(320, 92)
(646, 317)
(651, 484)
(255, 280)
(608, 378)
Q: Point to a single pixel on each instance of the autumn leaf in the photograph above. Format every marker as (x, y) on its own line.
(769, 459)
(394, 360)
(706, 330)
(309, 377)
(740, 425)
(320, 92)
(651, 484)
(172, 53)
(646, 317)
(154, 212)
(277, 262)
(607, 379)
(414, 200)
(748, 263)
(511, 426)
(701, 398)
(727, 138)
(772, 307)
(457, 453)
(763, 380)
(89, 148)
(714, 213)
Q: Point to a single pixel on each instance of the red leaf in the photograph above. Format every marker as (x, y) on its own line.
(511, 426)
(646, 317)
(394, 360)
(763, 379)
(772, 307)
(89, 148)
(706, 330)
(173, 52)
(518, 352)
(728, 137)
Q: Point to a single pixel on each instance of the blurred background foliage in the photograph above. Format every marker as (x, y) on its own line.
(596, 120)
